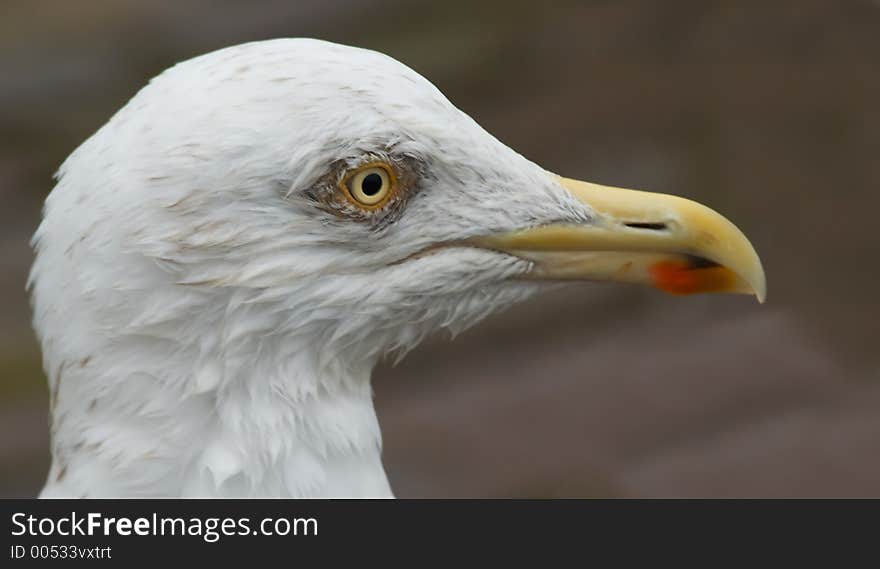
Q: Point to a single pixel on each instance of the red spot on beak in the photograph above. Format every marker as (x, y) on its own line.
(681, 277)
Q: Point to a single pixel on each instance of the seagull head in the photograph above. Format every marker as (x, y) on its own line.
(284, 213)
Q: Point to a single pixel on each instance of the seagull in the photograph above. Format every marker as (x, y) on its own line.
(221, 265)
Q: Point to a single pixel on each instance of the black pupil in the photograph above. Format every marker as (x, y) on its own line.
(371, 184)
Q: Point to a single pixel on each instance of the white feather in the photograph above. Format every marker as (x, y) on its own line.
(206, 329)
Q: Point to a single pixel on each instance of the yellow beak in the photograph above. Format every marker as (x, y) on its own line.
(676, 245)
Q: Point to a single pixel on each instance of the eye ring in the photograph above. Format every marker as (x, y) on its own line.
(370, 186)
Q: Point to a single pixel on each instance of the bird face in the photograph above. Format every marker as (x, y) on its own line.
(305, 188)
(411, 217)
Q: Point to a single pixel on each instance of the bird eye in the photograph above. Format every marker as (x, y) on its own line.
(370, 185)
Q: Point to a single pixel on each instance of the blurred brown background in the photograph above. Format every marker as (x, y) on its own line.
(767, 111)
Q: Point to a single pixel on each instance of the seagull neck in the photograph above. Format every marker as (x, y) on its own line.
(308, 433)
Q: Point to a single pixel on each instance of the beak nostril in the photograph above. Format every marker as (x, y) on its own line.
(647, 225)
